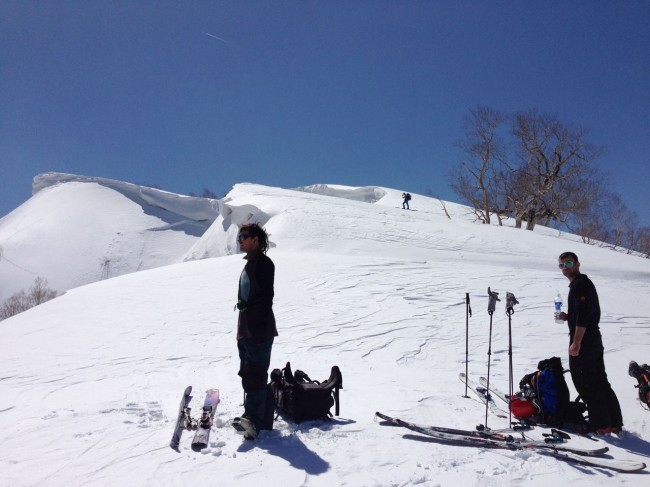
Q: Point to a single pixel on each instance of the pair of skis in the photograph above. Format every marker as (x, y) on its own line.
(202, 426)
(502, 439)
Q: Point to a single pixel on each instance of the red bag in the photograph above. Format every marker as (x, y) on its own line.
(522, 407)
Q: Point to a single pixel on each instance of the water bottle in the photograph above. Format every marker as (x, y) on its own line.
(558, 308)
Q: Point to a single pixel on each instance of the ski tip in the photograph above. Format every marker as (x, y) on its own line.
(385, 419)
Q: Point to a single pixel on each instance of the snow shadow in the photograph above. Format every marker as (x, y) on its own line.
(293, 450)
(173, 221)
(630, 442)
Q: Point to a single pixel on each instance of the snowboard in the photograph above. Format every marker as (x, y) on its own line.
(202, 435)
(183, 419)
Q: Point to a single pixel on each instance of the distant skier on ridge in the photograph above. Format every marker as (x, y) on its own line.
(405, 203)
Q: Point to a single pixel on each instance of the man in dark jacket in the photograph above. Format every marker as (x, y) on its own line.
(255, 331)
(586, 349)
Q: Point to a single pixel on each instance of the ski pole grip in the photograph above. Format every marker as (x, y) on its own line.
(494, 297)
(510, 302)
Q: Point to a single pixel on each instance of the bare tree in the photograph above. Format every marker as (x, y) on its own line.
(38, 293)
(624, 224)
(588, 198)
(440, 200)
(550, 157)
(643, 238)
(475, 179)
(544, 173)
(17, 303)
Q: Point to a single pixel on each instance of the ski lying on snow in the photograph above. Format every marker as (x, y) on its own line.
(483, 395)
(474, 438)
(625, 466)
(493, 390)
(492, 439)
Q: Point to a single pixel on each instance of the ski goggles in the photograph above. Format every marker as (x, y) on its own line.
(568, 264)
(242, 236)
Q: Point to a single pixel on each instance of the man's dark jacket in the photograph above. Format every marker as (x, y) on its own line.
(255, 299)
(584, 310)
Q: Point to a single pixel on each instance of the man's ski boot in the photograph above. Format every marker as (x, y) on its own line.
(246, 427)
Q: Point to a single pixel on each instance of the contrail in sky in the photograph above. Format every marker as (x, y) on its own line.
(220, 39)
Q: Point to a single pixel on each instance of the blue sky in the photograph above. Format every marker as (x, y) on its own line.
(206, 94)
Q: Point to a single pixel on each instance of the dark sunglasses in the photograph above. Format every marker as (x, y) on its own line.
(568, 264)
(243, 236)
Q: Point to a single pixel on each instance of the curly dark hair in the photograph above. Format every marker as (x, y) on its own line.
(256, 230)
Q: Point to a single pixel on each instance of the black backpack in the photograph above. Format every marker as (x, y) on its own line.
(549, 391)
(642, 374)
(301, 398)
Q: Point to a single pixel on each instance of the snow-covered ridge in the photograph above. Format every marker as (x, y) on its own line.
(76, 229)
(198, 209)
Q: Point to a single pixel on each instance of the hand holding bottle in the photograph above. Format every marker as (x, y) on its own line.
(558, 309)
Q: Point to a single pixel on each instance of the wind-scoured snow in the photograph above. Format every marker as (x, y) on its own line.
(90, 381)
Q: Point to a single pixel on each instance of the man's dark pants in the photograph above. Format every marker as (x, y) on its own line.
(590, 380)
(255, 358)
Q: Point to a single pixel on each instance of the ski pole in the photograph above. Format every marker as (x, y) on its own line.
(510, 305)
(494, 297)
(468, 313)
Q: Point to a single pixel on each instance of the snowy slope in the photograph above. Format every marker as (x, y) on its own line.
(91, 381)
(117, 227)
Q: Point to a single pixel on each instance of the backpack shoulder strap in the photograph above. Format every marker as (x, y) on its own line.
(334, 383)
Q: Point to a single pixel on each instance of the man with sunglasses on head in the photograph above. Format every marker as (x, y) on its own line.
(586, 349)
(255, 331)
